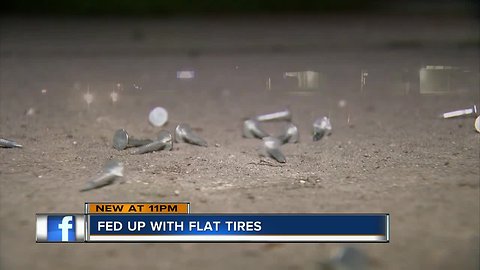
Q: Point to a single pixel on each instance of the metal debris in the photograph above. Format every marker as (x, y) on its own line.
(477, 124)
(321, 127)
(184, 133)
(158, 116)
(290, 135)
(465, 112)
(163, 142)
(111, 171)
(284, 115)
(9, 144)
(348, 258)
(252, 129)
(121, 140)
(271, 146)
(185, 74)
(307, 79)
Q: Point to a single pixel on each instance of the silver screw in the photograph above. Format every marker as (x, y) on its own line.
(271, 146)
(252, 129)
(111, 171)
(284, 115)
(321, 127)
(290, 135)
(469, 111)
(121, 140)
(164, 142)
(9, 144)
(184, 133)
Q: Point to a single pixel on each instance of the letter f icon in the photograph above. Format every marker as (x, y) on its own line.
(65, 226)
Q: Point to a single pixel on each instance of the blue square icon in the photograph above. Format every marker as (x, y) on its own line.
(61, 229)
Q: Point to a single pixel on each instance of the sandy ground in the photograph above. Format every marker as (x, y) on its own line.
(389, 152)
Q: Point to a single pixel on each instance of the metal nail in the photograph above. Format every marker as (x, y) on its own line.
(9, 144)
(184, 133)
(164, 142)
(348, 258)
(271, 146)
(477, 124)
(469, 111)
(284, 115)
(121, 140)
(290, 135)
(321, 127)
(252, 129)
(111, 171)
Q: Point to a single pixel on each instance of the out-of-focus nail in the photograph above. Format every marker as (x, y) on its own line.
(464, 112)
(477, 124)
(348, 258)
(121, 140)
(111, 171)
(252, 129)
(184, 133)
(321, 127)
(284, 115)
(290, 135)
(164, 142)
(9, 144)
(271, 146)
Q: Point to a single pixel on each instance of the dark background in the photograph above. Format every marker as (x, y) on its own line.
(228, 7)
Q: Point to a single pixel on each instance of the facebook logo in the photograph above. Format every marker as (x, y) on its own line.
(60, 228)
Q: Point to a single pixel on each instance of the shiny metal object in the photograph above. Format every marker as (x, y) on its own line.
(290, 135)
(111, 171)
(121, 140)
(321, 127)
(163, 142)
(469, 111)
(271, 146)
(158, 116)
(184, 133)
(9, 144)
(477, 124)
(284, 115)
(252, 129)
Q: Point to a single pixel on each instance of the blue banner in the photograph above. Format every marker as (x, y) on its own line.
(240, 227)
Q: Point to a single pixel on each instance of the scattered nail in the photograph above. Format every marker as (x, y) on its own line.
(163, 142)
(290, 135)
(184, 133)
(9, 144)
(111, 171)
(477, 124)
(271, 146)
(284, 115)
(158, 116)
(30, 111)
(321, 127)
(348, 258)
(469, 111)
(185, 74)
(252, 129)
(121, 140)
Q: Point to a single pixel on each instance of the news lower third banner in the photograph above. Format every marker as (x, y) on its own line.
(163, 222)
